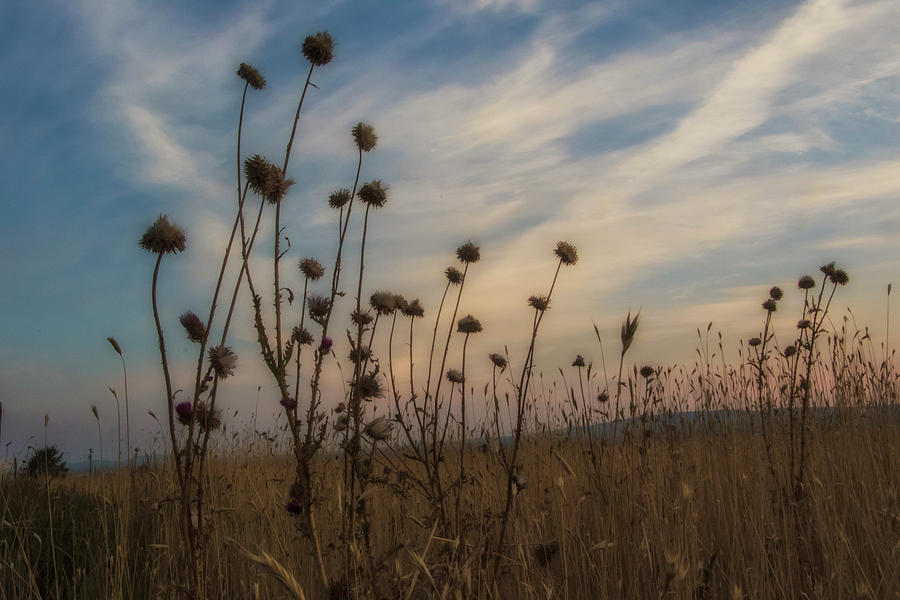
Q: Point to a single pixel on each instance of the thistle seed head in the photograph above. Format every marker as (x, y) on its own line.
(251, 76)
(370, 387)
(468, 253)
(361, 318)
(769, 305)
(566, 253)
(208, 419)
(806, 282)
(454, 275)
(754, 342)
(383, 303)
(647, 371)
(776, 294)
(468, 324)
(373, 193)
(364, 136)
(339, 198)
(803, 324)
(184, 410)
(318, 307)
(302, 336)
(539, 303)
(378, 428)
(498, 359)
(223, 361)
(278, 186)
(454, 376)
(318, 49)
(414, 309)
(164, 237)
(828, 269)
(578, 362)
(790, 351)
(839, 277)
(258, 172)
(192, 324)
(361, 354)
(311, 268)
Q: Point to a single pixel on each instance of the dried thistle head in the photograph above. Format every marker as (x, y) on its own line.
(364, 136)
(115, 345)
(754, 342)
(790, 351)
(806, 282)
(164, 237)
(539, 303)
(468, 253)
(382, 303)
(278, 186)
(289, 402)
(647, 371)
(578, 362)
(567, 253)
(839, 277)
(192, 324)
(454, 376)
(301, 336)
(311, 268)
(360, 354)
(769, 305)
(370, 387)
(468, 324)
(361, 318)
(400, 303)
(454, 275)
(413, 309)
(184, 410)
(319, 48)
(603, 397)
(325, 345)
(318, 307)
(339, 198)
(378, 428)
(776, 294)
(498, 359)
(373, 193)
(223, 361)
(828, 269)
(258, 172)
(803, 324)
(209, 419)
(251, 76)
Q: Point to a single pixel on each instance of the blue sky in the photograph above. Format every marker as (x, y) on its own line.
(695, 152)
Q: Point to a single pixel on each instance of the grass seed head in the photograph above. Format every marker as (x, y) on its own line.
(115, 345)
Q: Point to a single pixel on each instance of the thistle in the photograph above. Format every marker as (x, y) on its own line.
(223, 360)
(468, 324)
(455, 376)
(498, 359)
(454, 275)
(578, 362)
(383, 303)
(163, 237)
(413, 309)
(378, 428)
(364, 136)
(373, 193)
(311, 268)
(806, 283)
(251, 76)
(468, 253)
(539, 303)
(318, 49)
(196, 332)
(339, 198)
(566, 253)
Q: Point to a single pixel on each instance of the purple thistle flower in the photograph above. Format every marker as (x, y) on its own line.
(326, 344)
(184, 410)
(288, 402)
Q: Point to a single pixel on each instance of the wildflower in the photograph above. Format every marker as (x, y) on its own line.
(539, 303)
(278, 185)
(806, 282)
(359, 317)
(258, 172)
(578, 362)
(468, 324)
(318, 306)
(318, 49)
(454, 376)
(378, 428)
(115, 345)
(400, 303)
(325, 344)
(414, 309)
(776, 294)
(754, 342)
(302, 336)
(364, 136)
(468, 253)
(840, 277)
(373, 193)
(803, 324)
(339, 198)
(208, 419)
(790, 351)
(646, 371)
(603, 397)
(769, 305)
(498, 359)
(566, 253)
(184, 410)
(828, 269)
(311, 268)
(223, 361)
(251, 76)
(361, 354)
(340, 424)
(382, 303)
(163, 237)
(370, 387)
(196, 332)
(454, 275)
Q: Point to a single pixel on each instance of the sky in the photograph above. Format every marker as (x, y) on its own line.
(695, 152)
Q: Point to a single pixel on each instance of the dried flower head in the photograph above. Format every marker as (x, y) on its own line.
(319, 48)
(339, 198)
(364, 136)
(378, 428)
(454, 275)
(318, 307)
(288, 402)
(192, 324)
(603, 397)
(382, 303)
(454, 376)
(209, 419)
(223, 361)
(373, 193)
(370, 387)
(578, 362)
(828, 269)
(839, 277)
(468, 324)
(361, 354)
(776, 294)
(301, 336)
(115, 345)
(400, 303)
(539, 303)
(498, 359)
(414, 309)
(293, 507)
(769, 305)
(340, 424)
(361, 317)
(806, 282)
(566, 253)
(468, 253)
(325, 344)
(790, 351)
(803, 324)
(184, 410)
(163, 237)
(647, 371)
(311, 268)
(754, 342)
(259, 174)
(251, 76)
(278, 186)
